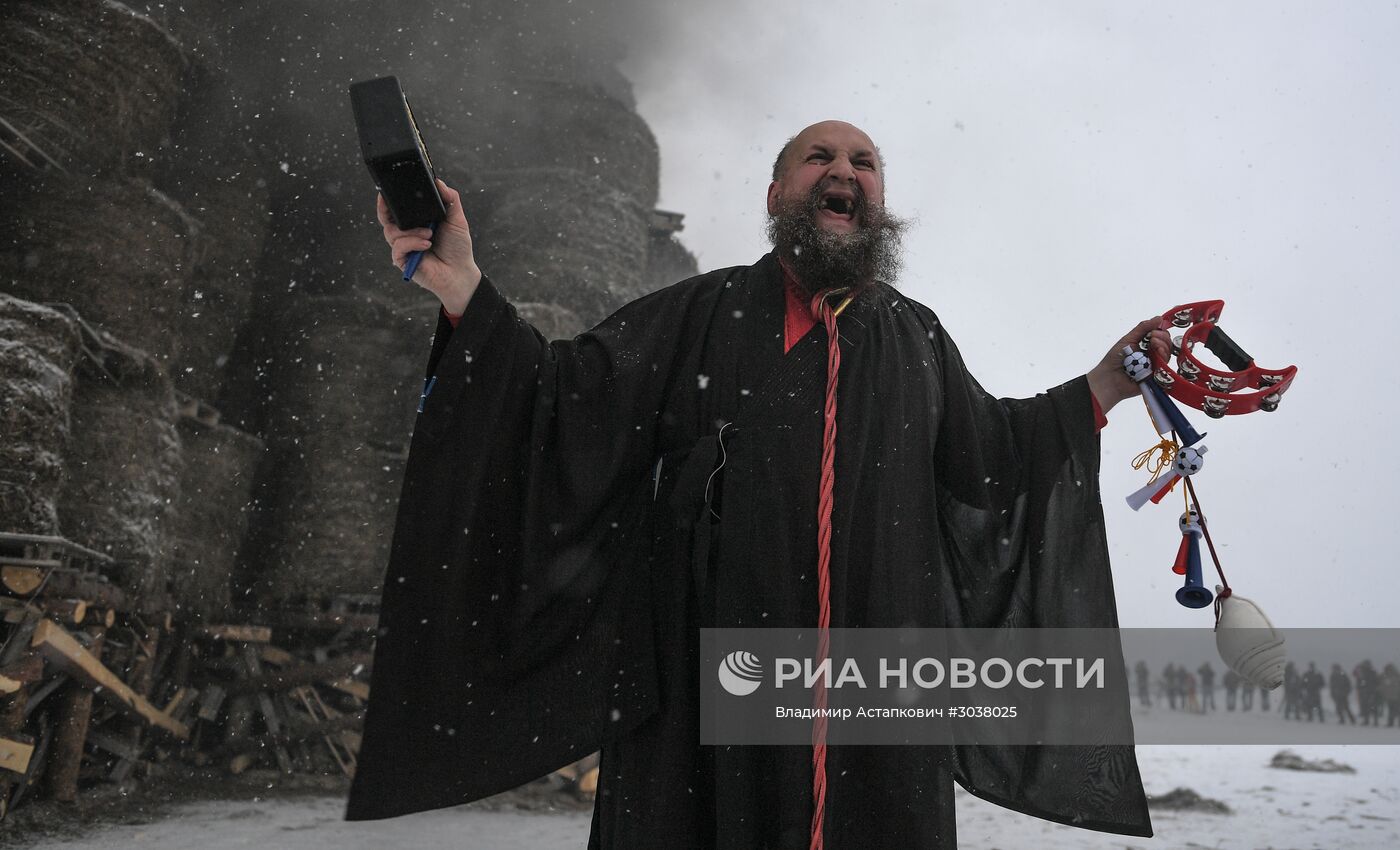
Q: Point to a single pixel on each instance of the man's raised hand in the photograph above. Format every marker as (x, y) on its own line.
(1107, 381)
(448, 267)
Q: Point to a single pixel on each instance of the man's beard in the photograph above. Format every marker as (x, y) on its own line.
(824, 260)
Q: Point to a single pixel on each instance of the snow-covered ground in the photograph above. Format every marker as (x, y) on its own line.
(1277, 809)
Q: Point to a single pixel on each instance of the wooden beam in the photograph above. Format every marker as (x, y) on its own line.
(247, 634)
(98, 591)
(210, 702)
(277, 655)
(27, 669)
(15, 755)
(271, 720)
(65, 652)
(283, 658)
(358, 690)
(328, 620)
(298, 730)
(298, 674)
(182, 696)
(51, 545)
(11, 722)
(74, 716)
(22, 612)
(71, 611)
(114, 744)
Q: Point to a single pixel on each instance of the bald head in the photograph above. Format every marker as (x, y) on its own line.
(821, 128)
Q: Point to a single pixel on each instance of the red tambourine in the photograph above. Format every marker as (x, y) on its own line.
(1244, 389)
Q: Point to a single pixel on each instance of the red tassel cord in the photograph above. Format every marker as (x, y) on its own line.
(822, 308)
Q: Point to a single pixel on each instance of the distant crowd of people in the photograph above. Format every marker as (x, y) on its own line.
(1376, 693)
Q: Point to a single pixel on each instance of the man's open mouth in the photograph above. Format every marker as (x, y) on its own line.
(839, 206)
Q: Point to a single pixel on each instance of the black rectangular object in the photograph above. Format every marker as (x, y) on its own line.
(1236, 359)
(393, 149)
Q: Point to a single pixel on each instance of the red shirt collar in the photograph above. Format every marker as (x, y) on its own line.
(798, 318)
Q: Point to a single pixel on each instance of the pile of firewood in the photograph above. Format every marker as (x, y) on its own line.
(94, 691)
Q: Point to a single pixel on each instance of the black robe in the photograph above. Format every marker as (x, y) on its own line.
(561, 538)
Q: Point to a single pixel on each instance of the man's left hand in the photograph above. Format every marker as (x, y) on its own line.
(1108, 382)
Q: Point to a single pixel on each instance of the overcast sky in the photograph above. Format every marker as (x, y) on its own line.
(1073, 168)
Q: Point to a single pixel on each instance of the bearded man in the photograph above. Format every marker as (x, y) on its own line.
(574, 512)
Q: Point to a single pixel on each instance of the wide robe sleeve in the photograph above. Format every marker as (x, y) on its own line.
(515, 633)
(1024, 544)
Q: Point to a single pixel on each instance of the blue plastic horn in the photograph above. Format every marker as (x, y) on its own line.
(1182, 427)
(1194, 594)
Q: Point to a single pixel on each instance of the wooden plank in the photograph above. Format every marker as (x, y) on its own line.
(298, 674)
(177, 702)
(297, 728)
(11, 722)
(22, 613)
(23, 785)
(350, 738)
(51, 545)
(359, 690)
(14, 755)
(311, 701)
(268, 709)
(247, 634)
(588, 784)
(115, 744)
(64, 651)
(26, 669)
(240, 763)
(74, 716)
(210, 703)
(29, 563)
(283, 658)
(277, 655)
(94, 588)
(326, 620)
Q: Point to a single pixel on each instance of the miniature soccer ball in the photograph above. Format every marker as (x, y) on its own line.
(1137, 365)
(1188, 461)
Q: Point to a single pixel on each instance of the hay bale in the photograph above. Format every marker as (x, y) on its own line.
(231, 205)
(324, 237)
(352, 366)
(562, 237)
(551, 320)
(39, 348)
(568, 124)
(117, 249)
(211, 516)
(88, 83)
(333, 519)
(122, 467)
(668, 261)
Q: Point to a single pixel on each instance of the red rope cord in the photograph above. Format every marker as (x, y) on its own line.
(822, 308)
